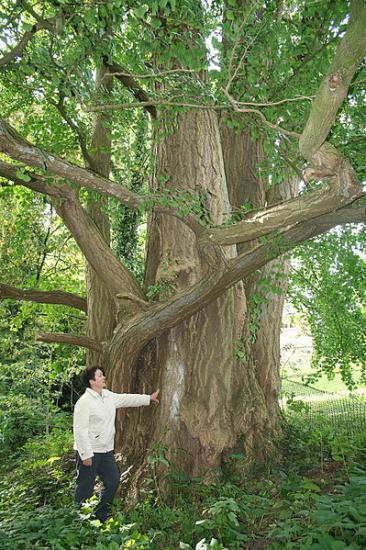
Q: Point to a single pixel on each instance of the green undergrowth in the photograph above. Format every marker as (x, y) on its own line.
(316, 499)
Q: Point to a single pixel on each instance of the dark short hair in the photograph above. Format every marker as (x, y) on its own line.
(89, 374)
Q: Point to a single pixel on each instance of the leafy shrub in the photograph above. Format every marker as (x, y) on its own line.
(221, 520)
(338, 521)
(21, 417)
(312, 441)
(294, 507)
(42, 473)
(64, 529)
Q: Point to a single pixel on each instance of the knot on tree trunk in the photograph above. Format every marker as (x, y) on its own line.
(334, 81)
(327, 162)
(324, 163)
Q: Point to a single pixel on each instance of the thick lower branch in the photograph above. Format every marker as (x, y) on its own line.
(57, 297)
(60, 338)
(111, 271)
(35, 182)
(164, 316)
(288, 213)
(12, 144)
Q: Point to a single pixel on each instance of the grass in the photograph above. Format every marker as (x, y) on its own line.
(324, 402)
(298, 388)
(322, 383)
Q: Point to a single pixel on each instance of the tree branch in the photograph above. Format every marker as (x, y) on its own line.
(166, 315)
(57, 297)
(157, 74)
(60, 106)
(236, 107)
(344, 190)
(239, 107)
(129, 82)
(36, 182)
(111, 271)
(334, 87)
(74, 340)
(12, 144)
(152, 103)
(274, 103)
(18, 49)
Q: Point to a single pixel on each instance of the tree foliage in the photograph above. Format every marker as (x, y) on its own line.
(327, 285)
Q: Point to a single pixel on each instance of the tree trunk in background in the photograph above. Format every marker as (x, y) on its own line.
(101, 308)
(261, 332)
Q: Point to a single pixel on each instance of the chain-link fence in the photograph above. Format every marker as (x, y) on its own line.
(345, 411)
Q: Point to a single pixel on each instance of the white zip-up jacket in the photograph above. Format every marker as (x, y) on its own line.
(94, 419)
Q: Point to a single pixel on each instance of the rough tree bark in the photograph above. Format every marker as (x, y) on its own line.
(194, 360)
(214, 403)
(260, 340)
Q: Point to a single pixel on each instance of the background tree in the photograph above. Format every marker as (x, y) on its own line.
(227, 140)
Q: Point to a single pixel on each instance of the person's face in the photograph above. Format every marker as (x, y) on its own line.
(99, 381)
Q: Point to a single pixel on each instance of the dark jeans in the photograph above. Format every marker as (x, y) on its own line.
(104, 466)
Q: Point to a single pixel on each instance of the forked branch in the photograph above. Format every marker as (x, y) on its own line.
(18, 49)
(343, 190)
(334, 87)
(166, 315)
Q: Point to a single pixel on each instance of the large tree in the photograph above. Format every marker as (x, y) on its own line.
(232, 153)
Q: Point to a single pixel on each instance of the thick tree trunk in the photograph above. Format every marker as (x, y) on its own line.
(211, 403)
(196, 357)
(208, 396)
(219, 378)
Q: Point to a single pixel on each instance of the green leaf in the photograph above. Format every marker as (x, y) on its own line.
(27, 27)
(22, 175)
(140, 12)
(338, 545)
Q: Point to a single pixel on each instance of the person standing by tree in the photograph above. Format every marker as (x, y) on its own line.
(94, 429)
